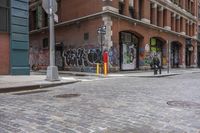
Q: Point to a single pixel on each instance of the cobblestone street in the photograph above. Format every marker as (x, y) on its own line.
(107, 105)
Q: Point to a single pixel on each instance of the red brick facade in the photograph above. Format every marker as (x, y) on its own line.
(136, 30)
(4, 53)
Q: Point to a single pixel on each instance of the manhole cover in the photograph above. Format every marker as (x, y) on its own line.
(67, 95)
(183, 104)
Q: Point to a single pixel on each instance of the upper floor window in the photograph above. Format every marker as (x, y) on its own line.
(177, 2)
(131, 8)
(199, 11)
(4, 15)
(121, 6)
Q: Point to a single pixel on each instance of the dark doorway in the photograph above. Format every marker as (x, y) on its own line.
(129, 51)
(58, 56)
(188, 53)
(175, 52)
(198, 56)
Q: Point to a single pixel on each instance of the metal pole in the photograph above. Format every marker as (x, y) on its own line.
(52, 37)
(52, 70)
(101, 51)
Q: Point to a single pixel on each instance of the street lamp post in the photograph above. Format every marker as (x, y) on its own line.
(101, 31)
(52, 70)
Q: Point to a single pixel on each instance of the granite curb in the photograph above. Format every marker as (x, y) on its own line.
(34, 86)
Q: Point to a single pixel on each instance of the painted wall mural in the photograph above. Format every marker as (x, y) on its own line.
(113, 58)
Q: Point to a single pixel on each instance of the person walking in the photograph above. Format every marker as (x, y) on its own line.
(156, 64)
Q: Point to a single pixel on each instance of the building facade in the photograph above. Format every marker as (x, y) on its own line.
(198, 46)
(14, 40)
(136, 31)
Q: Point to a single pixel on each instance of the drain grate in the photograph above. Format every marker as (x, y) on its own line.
(183, 104)
(30, 92)
(67, 95)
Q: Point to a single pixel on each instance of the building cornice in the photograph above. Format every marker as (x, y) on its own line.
(113, 14)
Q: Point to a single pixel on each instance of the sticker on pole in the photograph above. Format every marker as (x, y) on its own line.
(46, 6)
(55, 17)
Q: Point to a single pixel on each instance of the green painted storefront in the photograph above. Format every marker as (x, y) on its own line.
(19, 37)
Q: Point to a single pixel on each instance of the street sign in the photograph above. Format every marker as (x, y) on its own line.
(46, 6)
(101, 30)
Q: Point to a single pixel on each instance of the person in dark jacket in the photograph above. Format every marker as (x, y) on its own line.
(156, 64)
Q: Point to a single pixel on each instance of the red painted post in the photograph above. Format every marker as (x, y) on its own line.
(105, 61)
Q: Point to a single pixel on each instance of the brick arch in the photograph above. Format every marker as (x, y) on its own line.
(177, 42)
(159, 38)
(140, 36)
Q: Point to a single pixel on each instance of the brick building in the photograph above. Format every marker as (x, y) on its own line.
(14, 40)
(198, 46)
(136, 30)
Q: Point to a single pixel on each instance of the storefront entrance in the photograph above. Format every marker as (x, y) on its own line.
(156, 47)
(129, 50)
(198, 56)
(188, 54)
(58, 56)
(175, 50)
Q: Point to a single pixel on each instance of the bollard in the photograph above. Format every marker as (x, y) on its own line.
(160, 71)
(155, 70)
(97, 71)
(105, 69)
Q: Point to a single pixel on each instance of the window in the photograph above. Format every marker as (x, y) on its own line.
(199, 12)
(198, 32)
(45, 44)
(86, 36)
(4, 15)
(46, 19)
(131, 8)
(121, 7)
(131, 3)
(177, 2)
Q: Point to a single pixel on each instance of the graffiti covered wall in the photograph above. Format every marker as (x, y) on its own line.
(38, 57)
(71, 58)
(81, 58)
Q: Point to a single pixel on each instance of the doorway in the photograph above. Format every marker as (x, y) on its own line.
(156, 48)
(129, 51)
(188, 54)
(198, 56)
(58, 56)
(175, 52)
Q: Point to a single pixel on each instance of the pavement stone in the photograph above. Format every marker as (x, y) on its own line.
(109, 105)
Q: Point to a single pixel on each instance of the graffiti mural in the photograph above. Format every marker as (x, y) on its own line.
(94, 56)
(112, 53)
(81, 57)
(70, 58)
